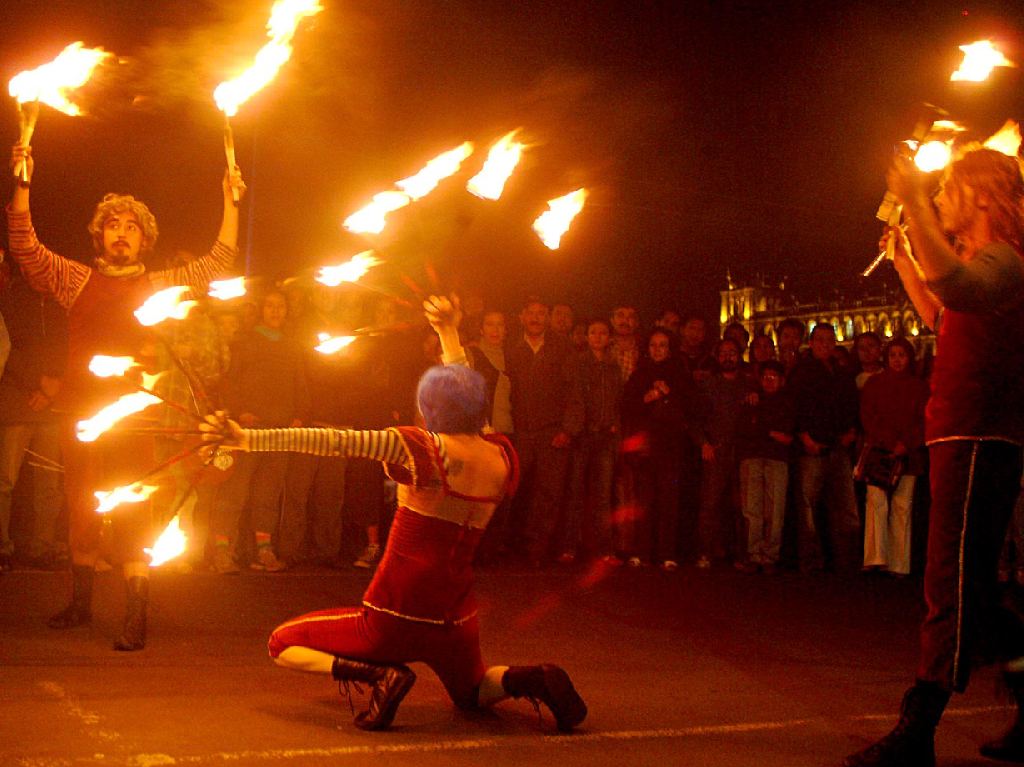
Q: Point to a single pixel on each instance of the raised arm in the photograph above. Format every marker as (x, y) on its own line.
(444, 315)
(222, 255)
(45, 271)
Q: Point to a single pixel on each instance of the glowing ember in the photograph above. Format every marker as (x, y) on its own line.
(165, 305)
(284, 20)
(933, 155)
(171, 543)
(373, 218)
(980, 58)
(1006, 139)
(225, 290)
(555, 221)
(435, 171)
(111, 499)
(330, 344)
(350, 271)
(110, 367)
(91, 428)
(502, 159)
(52, 83)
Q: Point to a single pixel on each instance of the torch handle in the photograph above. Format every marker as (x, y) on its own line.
(889, 254)
(229, 153)
(27, 121)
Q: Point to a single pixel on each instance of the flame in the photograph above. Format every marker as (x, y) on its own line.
(170, 544)
(933, 155)
(111, 499)
(980, 58)
(350, 271)
(372, 218)
(165, 305)
(555, 221)
(91, 428)
(53, 82)
(103, 366)
(225, 290)
(284, 20)
(435, 171)
(330, 344)
(1006, 139)
(502, 159)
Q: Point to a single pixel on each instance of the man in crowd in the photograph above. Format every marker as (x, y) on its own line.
(537, 366)
(100, 301)
(626, 343)
(974, 428)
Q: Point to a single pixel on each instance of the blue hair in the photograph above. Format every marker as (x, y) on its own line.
(453, 399)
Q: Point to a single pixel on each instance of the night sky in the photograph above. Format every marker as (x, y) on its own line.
(745, 135)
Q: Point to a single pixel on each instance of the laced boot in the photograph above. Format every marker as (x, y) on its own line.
(388, 686)
(79, 612)
(912, 742)
(550, 685)
(1010, 747)
(133, 636)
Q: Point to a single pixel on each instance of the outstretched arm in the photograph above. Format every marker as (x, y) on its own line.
(444, 315)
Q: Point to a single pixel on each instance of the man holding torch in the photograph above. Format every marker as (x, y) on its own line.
(100, 301)
(965, 275)
(420, 605)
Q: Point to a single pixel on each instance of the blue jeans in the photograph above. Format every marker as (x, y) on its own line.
(763, 484)
(829, 475)
(587, 523)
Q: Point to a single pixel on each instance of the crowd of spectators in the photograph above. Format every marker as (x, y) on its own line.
(658, 447)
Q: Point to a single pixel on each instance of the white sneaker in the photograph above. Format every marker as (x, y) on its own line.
(368, 558)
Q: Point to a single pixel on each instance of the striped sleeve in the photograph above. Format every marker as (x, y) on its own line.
(385, 446)
(45, 271)
(198, 273)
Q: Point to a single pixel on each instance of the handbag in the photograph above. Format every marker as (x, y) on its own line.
(880, 467)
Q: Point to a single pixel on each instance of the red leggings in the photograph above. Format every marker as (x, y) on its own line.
(451, 651)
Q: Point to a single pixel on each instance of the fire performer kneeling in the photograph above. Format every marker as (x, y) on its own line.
(100, 302)
(420, 605)
(973, 293)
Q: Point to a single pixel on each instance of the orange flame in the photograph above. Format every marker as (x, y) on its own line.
(111, 499)
(350, 271)
(502, 159)
(933, 155)
(103, 366)
(52, 83)
(373, 218)
(1006, 139)
(331, 344)
(225, 290)
(435, 171)
(555, 221)
(90, 429)
(980, 58)
(171, 543)
(284, 20)
(165, 305)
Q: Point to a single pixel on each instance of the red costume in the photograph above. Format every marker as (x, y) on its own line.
(420, 604)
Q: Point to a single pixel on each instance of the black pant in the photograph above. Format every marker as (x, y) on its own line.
(974, 485)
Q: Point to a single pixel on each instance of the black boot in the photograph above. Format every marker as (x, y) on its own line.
(551, 686)
(388, 686)
(912, 741)
(1010, 747)
(79, 612)
(133, 636)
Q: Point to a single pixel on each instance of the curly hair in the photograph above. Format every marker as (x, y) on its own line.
(999, 177)
(123, 203)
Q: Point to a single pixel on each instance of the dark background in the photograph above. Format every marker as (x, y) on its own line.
(741, 135)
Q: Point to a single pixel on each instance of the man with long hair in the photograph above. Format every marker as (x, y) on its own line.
(965, 276)
(420, 604)
(100, 301)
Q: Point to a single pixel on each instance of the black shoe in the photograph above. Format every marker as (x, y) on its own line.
(388, 687)
(912, 742)
(133, 636)
(551, 686)
(79, 612)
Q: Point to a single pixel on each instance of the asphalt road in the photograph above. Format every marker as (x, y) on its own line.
(690, 668)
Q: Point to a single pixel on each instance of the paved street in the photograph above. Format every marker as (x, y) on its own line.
(690, 668)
